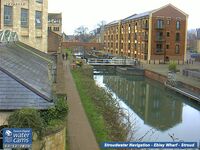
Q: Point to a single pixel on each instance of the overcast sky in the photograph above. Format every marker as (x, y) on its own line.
(90, 12)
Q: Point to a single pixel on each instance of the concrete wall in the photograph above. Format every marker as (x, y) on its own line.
(36, 38)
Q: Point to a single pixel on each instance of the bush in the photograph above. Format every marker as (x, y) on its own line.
(59, 111)
(172, 66)
(26, 118)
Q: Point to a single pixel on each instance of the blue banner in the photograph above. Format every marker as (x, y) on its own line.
(17, 138)
(154, 145)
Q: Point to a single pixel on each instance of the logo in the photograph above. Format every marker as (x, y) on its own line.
(17, 138)
(8, 133)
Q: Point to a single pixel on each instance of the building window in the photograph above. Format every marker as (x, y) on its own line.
(177, 49)
(178, 25)
(129, 27)
(49, 28)
(159, 36)
(135, 46)
(136, 26)
(56, 28)
(38, 19)
(39, 1)
(159, 48)
(135, 36)
(8, 12)
(129, 36)
(160, 24)
(168, 34)
(129, 46)
(116, 45)
(168, 22)
(167, 46)
(177, 37)
(24, 17)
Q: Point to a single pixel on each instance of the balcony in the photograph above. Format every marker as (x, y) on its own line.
(145, 26)
(160, 27)
(160, 39)
(145, 38)
(159, 51)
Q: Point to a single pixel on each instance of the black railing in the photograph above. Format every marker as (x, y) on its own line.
(160, 39)
(145, 26)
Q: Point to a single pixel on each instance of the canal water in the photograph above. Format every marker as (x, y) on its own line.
(158, 114)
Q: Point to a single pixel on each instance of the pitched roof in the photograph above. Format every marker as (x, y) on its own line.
(14, 95)
(29, 67)
(135, 16)
(113, 22)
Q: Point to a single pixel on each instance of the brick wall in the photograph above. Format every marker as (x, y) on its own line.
(54, 42)
(170, 16)
(155, 76)
(97, 46)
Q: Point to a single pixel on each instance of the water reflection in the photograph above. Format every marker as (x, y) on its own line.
(157, 108)
(154, 107)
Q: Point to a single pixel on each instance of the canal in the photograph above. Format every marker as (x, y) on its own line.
(158, 114)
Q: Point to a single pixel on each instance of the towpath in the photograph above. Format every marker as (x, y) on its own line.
(81, 136)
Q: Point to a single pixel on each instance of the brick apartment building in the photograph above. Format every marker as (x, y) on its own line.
(55, 22)
(28, 19)
(157, 35)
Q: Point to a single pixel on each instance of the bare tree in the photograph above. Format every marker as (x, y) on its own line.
(101, 24)
(82, 30)
(81, 34)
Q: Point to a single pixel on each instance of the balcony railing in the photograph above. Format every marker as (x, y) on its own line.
(161, 27)
(145, 26)
(159, 51)
(145, 38)
(160, 39)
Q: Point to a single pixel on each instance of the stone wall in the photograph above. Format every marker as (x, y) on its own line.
(29, 35)
(3, 117)
(54, 141)
(155, 76)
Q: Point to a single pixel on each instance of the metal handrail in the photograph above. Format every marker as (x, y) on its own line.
(8, 36)
(94, 61)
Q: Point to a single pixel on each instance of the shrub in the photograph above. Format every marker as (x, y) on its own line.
(59, 111)
(172, 66)
(26, 118)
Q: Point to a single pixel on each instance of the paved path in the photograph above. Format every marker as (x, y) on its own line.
(80, 133)
(163, 69)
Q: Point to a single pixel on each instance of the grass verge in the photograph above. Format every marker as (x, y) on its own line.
(102, 110)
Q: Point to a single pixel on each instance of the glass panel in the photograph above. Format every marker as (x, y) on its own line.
(24, 17)
(8, 15)
(38, 19)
